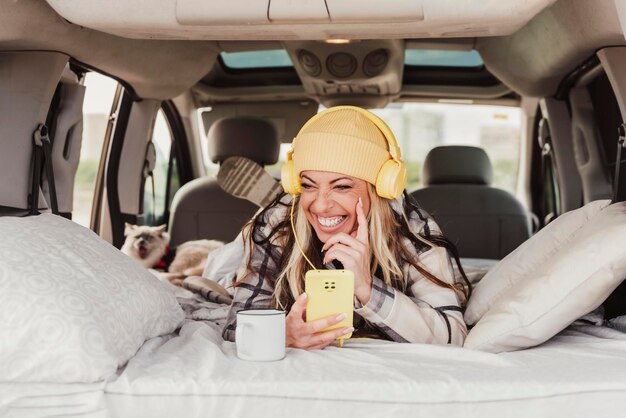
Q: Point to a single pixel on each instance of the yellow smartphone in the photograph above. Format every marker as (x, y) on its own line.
(330, 292)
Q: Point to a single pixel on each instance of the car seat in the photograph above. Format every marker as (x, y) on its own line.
(482, 221)
(201, 209)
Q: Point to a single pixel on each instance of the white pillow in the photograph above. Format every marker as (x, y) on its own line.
(518, 264)
(73, 307)
(574, 281)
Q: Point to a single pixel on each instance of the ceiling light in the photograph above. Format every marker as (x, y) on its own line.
(338, 41)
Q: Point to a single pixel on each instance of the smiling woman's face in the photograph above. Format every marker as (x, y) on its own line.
(329, 202)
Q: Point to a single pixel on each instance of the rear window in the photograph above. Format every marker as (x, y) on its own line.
(419, 127)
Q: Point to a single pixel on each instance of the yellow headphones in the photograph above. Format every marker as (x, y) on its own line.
(392, 176)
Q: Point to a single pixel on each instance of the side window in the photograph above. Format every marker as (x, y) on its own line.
(99, 96)
(162, 184)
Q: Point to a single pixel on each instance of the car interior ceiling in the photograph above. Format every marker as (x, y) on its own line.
(570, 85)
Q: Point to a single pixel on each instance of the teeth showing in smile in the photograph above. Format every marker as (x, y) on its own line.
(330, 222)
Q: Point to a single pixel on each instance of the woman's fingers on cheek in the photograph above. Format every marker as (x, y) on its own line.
(330, 255)
(330, 242)
(345, 255)
(335, 255)
(340, 238)
(361, 232)
(349, 241)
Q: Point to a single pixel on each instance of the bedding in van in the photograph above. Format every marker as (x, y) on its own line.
(197, 361)
(522, 262)
(73, 307)
(193, 373)
(570, 282)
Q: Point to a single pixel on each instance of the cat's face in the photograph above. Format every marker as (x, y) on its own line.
(146, 244)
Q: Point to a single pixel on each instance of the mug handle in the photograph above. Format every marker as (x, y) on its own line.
(241, 339)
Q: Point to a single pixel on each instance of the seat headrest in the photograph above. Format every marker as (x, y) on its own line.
(244, 136)
(457, 164)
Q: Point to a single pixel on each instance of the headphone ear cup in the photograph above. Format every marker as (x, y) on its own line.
(391, 180)
(289, 178)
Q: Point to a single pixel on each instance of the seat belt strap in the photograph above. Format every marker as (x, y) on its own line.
(36, 175)
(42, 151)
(47, 154)
(618, 160)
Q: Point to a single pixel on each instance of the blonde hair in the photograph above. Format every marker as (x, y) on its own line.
(387, 240)
(390, 239)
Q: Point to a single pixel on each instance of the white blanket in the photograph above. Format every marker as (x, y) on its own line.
(197, 362)
(579, 373)
(35, 400)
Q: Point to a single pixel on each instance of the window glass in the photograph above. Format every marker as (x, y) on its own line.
(212, 168)
(99, 94)
(435, 58)
(156, 201)
(419, 127)
(257, 59)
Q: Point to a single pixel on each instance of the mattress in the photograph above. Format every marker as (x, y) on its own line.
(580, 372)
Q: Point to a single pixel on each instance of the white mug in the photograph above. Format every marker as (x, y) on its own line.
(260, 335)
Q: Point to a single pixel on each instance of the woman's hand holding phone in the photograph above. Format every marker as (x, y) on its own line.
(308, 335)
(353, 251)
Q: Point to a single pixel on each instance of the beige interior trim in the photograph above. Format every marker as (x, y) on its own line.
(190, 116)
(493, 92)
(529, 107)
(614, 63)
(206, 95)
(281, 19)
(239, 46)
(446, 44)
(535, 59)
(27, 83)
(512, 102)
(560, 124)
(620, 7)
(154, 69)
(138, 133)
(594, 176)
(105, 230)
(287, 117)
(532, 59)
(68, 138)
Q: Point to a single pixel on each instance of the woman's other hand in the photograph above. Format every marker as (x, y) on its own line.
(353, 251)
(309, 335)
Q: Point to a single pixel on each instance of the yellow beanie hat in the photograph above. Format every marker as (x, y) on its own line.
(342, 141)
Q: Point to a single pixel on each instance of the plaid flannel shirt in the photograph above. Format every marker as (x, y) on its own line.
(423, 312)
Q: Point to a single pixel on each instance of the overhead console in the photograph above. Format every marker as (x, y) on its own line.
(369, 72)
(286, 19)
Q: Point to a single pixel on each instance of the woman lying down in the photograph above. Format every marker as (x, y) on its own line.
(350, 209)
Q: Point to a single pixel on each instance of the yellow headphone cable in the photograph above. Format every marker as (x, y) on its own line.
(295, 235)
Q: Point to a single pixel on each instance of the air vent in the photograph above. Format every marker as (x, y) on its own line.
(375, 62)
(310, 63)
(341, 64)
